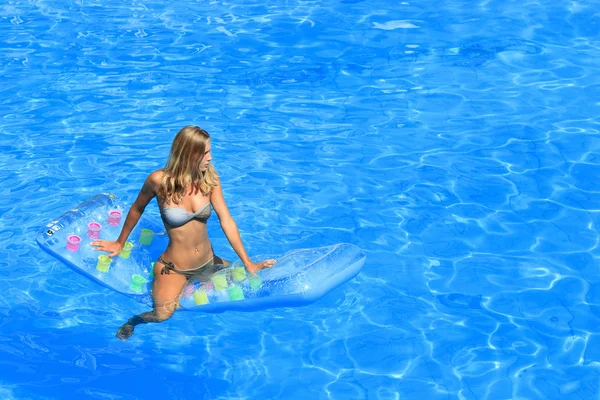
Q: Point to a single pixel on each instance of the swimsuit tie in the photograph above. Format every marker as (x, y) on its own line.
(167, 267)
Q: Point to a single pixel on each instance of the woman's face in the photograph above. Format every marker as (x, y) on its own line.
(206, 158)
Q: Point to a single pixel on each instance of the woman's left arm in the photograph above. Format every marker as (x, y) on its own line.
(232, 232)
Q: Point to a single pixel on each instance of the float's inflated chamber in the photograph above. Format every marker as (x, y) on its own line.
(297, 278)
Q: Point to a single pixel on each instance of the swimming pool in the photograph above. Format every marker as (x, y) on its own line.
(456, 143)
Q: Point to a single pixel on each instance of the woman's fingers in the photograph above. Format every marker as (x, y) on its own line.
(255, 267)
(269, 263)
(107, 246)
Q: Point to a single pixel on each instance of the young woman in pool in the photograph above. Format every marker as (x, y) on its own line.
(185, 190)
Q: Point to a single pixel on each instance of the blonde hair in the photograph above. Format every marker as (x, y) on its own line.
(181, 171)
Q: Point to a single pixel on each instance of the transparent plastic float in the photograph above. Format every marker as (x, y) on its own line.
(297, 278)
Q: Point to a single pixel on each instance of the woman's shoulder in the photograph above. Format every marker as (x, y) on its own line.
(155, 177)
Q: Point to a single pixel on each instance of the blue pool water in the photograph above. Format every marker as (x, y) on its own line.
(455, 142)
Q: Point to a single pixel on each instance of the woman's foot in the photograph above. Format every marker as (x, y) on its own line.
(125, 331)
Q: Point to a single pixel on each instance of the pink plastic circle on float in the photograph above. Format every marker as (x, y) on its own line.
(114, 217)
(73, 243)
(94, 230)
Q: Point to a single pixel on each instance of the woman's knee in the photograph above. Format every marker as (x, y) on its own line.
(162, 316)
(164, 311)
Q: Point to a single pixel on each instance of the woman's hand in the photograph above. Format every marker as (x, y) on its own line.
(252, 267)
(114, 248)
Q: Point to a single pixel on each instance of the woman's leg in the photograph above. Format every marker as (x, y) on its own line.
(165, 294)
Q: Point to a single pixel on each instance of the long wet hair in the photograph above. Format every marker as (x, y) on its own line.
(181, 171)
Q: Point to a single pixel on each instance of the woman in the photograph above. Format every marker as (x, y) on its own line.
(185, 189)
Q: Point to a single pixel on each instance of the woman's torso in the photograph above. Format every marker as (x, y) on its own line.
(189, 246)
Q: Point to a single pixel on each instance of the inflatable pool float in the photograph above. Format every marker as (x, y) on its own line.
(297, 278)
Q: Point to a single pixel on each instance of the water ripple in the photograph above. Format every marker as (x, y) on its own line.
(456, 143)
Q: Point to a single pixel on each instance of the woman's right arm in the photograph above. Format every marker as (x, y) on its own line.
(147, 193)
